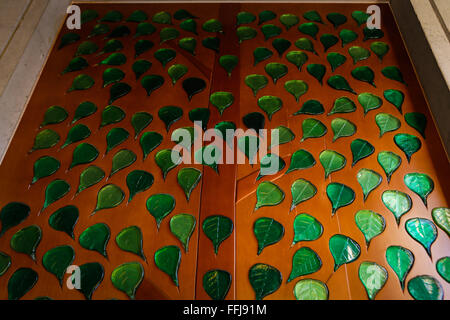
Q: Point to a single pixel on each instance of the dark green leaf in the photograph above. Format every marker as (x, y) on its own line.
(216, 283)
(176, 72)
(401, 261)
(342, 128)
(130, 239)
(418, 121)
(26, 240)
(64, 219)
(152, 82)
(313, 107)
(397, 202)
(127, 277)
(83, 153)
(421, 184)
(309, 28)
(364, 74)
(95, 238)
(425, 288)
(343, 249)
(20, 282)
(57, 260)
(149, 141)
(393, 73)
(264, 279)
(336, 60)
(317, 71)
(182, 226)
(390, 162)
(192, 86)
(360, 149)
(305, 44)
(228, 62)
(138, 181)
(339, 195)
(44, 167)
(168, 260)
(160, 205)
(164, 55)
(84, 109)
(301, 159)
(246, 33)
(81, 82)
(267, 232)
(89, 177)
(108, 197)
(140, 121)
(306, 228)
(256, 82)
(358, 53)
(54, 191)
(328, 40)
(408, 143)
(331, 161)
(305, 261)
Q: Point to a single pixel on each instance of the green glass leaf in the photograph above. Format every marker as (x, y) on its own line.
(144, 29)
(370, 223)
(182, 226)
(138, 181)
(331, 161)
(270, 164)
(164, 56)
(338, 82)
(265, 16)
(192, 86)
(142, 46)
(310, 289)
(372, 33)
(152, 82)
(119, 90)
(270, 31)
(189, 25)
(281, 45)
(68, 38)
(443, 268)
(317, 71)
(114, 59)
(393, 73)
(200, 115)
(179, 137)
(401, 261)
(328, 40)
(358, 53)
(20, 282)
(165, 160)
(150, 141)
(313, 15)
(76, 64)
(86, 48)
(395, 97)
(212, 25)
(95, 238)
(245, 33)
(267, 232)
(228, 62)
(176, 72)
(256, 82)
(122, 159)
(297, 58)
(244, 17)
(108, 197)
(83, 153)
(162, 17)
(408, 143)
(112, 45)
(120, 31)
(425, 288)
(160, 205)
(264, 279)
(189, 44)
(130, 239)
(54, 191)
(305, 44)
(217, 228)
(64, 219)
(44, 167)
(306, 228)
(169, 115)
(343, 249)
(168, 260)
(339, 195)
(360, 149)
(369, 180)
(112, 16)
(57, 260)
(270, 105)
(347, 36)
(137, 16)
(209, 156)
(167, 34)
(313, 107)
(91, 275)
(390, 162)
(289, 20)
(188, 178)
(302, 190)
(183, 14)
(296, 87)
(12, 214)
(81, 82)
(364, 74)
(379, 48)
(268, 194)
(421, 184)
(342, 128)
(89, 177)
(111, 114)
(309, 28)
(249, 146)
(386, 123)
(212, 43)
(221, 129)
(336, 19)
(336, 60)
(216, 283)
(305, 261)
(285, 135)
(418, 121)
(441, 216)
(313, 128)
(373, 277)
(84, 109)
(369, 101)
(127, 277)
(140, 121)
(276, 70)
(301, 159)
(397, 202)
(342, 105)
(221, 100)
(360, 17)
(112, 75)
(5, 263)
(26, 240)
(77, 133)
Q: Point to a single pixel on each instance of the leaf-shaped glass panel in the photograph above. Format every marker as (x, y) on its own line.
(343, 249)
(139, 121)
(264, 279)
(64, 219)
(305, 261)
(301, 159)
(408, 143)
(276, 70)
(130, 239)
(192, 86)
(188, 179)
(182, 226)
(339, 195)
(169, 115)
(245, 33)
(390, 162)
(342, 105)
(441, 216)
(369, 101)
(108, 197)
(395, 97)
(57, 259)
(296, 87)
(228, 62)
(54, 191)
(386, 123)
(443, 268)
(44, 167)
(309, 28)
(423, 231)
(89, 177)
(127, 277)
(20, 282)
(256, 82)
(425, 288)
(160, 205)
(84, 109)
(268, 194)
(176, 72)
(217, 283)
(370, 223)
(360, 149)
(111, 114)
(338, 82)
(115, 137)
(373, 277)
(267, 232)
(166, 160)
(310, 289)
(83, 153)
(12, 214)
(77, 133)
(397, 202)
(270, 31)
(317, 71)
(26, 240)
(328, 40)
(305, 44)
(331, 161)
(418, 121)
(54, 115)
(45, 139)
(336, 60)
(393, 73)
(306, 228)
(164, 55)
(347, 36)
(301, 191)
(421, 184)
(217, 228)
(297, 58)
(369, 180)
(122, 159)
(313, 128)
(358, 53)
(138, 181)
(91, 275)
(95, 238)
(313, 107)
(401, 261)
(168, 260)
(342, 128)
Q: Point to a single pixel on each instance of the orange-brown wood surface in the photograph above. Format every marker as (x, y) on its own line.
(232, 192)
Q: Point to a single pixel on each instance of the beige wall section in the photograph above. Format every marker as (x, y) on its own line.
(29, 27)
